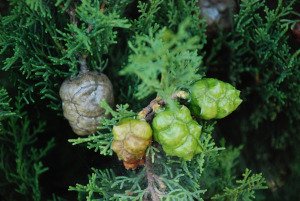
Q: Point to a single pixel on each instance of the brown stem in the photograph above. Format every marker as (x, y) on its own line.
(149, 111)
(81, 58)
(83, 65)
(152, 179)
(72, 14)
(102, 6)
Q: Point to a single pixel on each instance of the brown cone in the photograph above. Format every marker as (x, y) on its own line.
(131, 139)
(81, 97)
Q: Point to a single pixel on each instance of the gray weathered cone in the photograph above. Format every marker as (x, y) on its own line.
(217, 13)
(80, 100)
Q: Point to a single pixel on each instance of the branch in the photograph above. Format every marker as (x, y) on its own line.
(153, 180)
(81, 57)
(72, 14)
(82, 62)
(148, 112)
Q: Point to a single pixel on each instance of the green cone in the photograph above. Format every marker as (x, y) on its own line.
(214, 99)
(177, 132)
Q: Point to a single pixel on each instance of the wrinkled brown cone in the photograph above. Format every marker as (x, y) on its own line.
(80, 100)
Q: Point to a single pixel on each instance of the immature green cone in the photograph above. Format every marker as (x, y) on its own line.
(212, 98)
(177, 132)
(131, 139)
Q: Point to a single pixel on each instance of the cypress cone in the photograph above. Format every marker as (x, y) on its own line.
(80, 100)
(212, 98)
(177, 132)
(131, 139)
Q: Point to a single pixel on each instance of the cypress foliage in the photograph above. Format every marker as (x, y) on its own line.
(153, 52)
